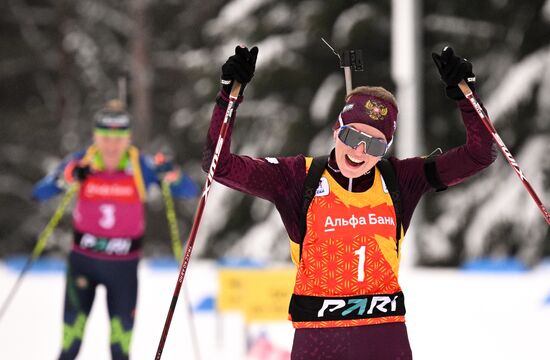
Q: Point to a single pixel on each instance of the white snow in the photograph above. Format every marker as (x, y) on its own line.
(324, 98)
(280, 49)
(262, 239)
(497, 209)
(546, 11)
(322, 142)
(213, 219)
(280, 15)
(237, 11)
(343, 25)
(451, 315)
(455, 25)
(517, 84)
(513, 205)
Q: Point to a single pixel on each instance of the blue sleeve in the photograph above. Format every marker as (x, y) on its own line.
(50, 185)
(184, 187)
(148, 171)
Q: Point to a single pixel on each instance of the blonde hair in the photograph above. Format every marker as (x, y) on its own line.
(376, 91)
(114, 105)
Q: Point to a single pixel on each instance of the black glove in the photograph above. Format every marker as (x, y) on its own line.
(239, 67)
(81, 172)
(453, 69)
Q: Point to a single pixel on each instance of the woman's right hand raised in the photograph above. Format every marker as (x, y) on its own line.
(239, 67)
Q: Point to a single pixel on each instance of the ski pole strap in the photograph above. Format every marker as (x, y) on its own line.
(172, 220)
(430, 171)
(224, 103)
(390, 179)
(54, 221)
(311, 184)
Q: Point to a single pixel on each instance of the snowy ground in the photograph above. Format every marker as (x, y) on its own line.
(451, 315)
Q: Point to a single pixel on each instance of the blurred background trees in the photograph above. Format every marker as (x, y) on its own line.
(60, 61)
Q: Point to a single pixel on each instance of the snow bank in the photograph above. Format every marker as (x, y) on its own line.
(451, 314)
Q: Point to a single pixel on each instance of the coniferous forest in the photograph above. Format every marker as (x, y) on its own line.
(61, 60)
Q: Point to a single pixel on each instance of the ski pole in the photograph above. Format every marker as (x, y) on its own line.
(176, 249)
(172, 221)
(40, 244)
(198, 215)
(513, 163)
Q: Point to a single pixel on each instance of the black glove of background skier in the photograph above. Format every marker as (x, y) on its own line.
(81, 172)
(453, 69)
(239, 67)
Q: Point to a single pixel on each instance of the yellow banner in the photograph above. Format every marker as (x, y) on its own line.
(261, 294)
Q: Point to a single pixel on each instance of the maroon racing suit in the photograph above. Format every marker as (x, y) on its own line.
(280, 180)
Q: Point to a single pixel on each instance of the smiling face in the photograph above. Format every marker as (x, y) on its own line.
(354, 162)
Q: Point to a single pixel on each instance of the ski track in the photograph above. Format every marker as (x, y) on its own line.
(451, 314)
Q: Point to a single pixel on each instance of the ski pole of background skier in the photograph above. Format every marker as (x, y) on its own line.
(198, 215)
(507, 154)
(177, 250)
(40, 245)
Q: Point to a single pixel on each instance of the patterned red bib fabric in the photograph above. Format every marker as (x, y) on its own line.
(348, 273)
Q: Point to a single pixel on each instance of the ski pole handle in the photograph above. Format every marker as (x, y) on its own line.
(507, 154)
(235, 90)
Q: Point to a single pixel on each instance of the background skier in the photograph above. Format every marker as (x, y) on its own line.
(109, 224)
